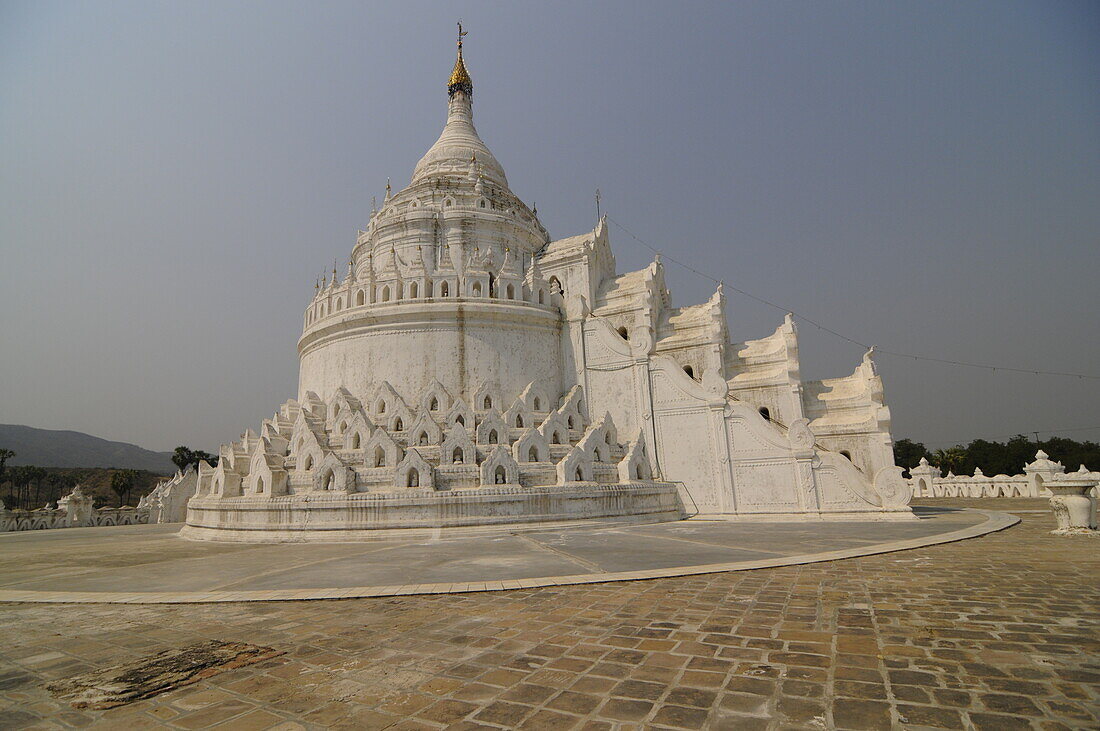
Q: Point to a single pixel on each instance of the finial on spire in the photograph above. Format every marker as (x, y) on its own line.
(460, 78)
(388, 190)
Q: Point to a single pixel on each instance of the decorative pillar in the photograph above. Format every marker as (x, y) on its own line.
(923, 477)
(1072, 504)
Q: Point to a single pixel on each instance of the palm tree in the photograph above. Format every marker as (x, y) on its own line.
(951, 459)
(20, 478)
(122, 482)
(37, 475)
(5, 455)
(182, 457)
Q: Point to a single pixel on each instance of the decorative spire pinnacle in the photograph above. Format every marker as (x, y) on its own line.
(460, 77)
(388, 189)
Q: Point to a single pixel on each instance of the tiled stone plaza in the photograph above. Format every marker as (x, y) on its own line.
(996, 632)
(154, 564)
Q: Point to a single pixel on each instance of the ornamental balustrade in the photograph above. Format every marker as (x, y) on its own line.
(928, 481)
(72, 511)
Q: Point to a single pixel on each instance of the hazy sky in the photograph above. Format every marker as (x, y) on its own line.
(923, 176)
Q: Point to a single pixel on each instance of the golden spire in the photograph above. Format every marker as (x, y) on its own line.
(460, 78)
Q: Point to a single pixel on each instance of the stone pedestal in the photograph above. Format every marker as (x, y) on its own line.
(1072, 504)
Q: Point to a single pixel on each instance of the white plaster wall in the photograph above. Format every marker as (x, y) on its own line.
(613, 384)
(862, 447)
(686, 442)
(409, 345)
(777, 399)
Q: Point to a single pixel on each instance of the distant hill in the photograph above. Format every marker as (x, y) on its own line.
(50, 448)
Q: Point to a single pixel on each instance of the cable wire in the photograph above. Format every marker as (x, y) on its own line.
(819, 326)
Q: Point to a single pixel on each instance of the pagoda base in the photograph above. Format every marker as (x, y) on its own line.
(327, 517)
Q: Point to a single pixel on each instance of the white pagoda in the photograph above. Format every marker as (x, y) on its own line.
(469, 370)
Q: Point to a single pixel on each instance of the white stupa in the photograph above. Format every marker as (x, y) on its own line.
(468, 370)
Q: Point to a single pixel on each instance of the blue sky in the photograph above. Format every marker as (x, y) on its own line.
(922, 176)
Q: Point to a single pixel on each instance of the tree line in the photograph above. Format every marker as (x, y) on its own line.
(30, 487)
(185, 457)
(998, 458)
(20, 480)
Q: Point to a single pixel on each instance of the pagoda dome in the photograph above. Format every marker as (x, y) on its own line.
(459, 145)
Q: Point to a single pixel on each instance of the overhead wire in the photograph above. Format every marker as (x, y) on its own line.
(819, 326)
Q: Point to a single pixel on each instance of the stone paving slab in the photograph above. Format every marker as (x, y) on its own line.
(157, 566)
(997, 632)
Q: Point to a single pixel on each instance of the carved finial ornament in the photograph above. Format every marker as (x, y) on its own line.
(460, 78)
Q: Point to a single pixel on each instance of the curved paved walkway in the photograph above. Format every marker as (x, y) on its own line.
(993, 634)
(158, 567)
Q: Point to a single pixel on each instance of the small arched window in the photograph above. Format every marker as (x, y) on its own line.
(379, 457)
(456, 457)
(765, 413)
(537, 404)
(689, 371)
(381, 407)
(260, 485)
(423, 439)
(413, 480)
(355, 440)
(434, 405)
(398, 425)
(638, 472)
(533, 455)
(493, 436)
(308, 464)
(542, 297)
(555, 438)
(569, 421)
(414, 290)
(359, 298)
(519, 421)
(443, 289)
(623, 333)
(511, 292)
(330, 480)
(460, 420)
(500, 477)
(488, 402)
(385, 294)
(477, 289)
(579, 474)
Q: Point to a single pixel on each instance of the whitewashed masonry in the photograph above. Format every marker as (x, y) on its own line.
(470, 370)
